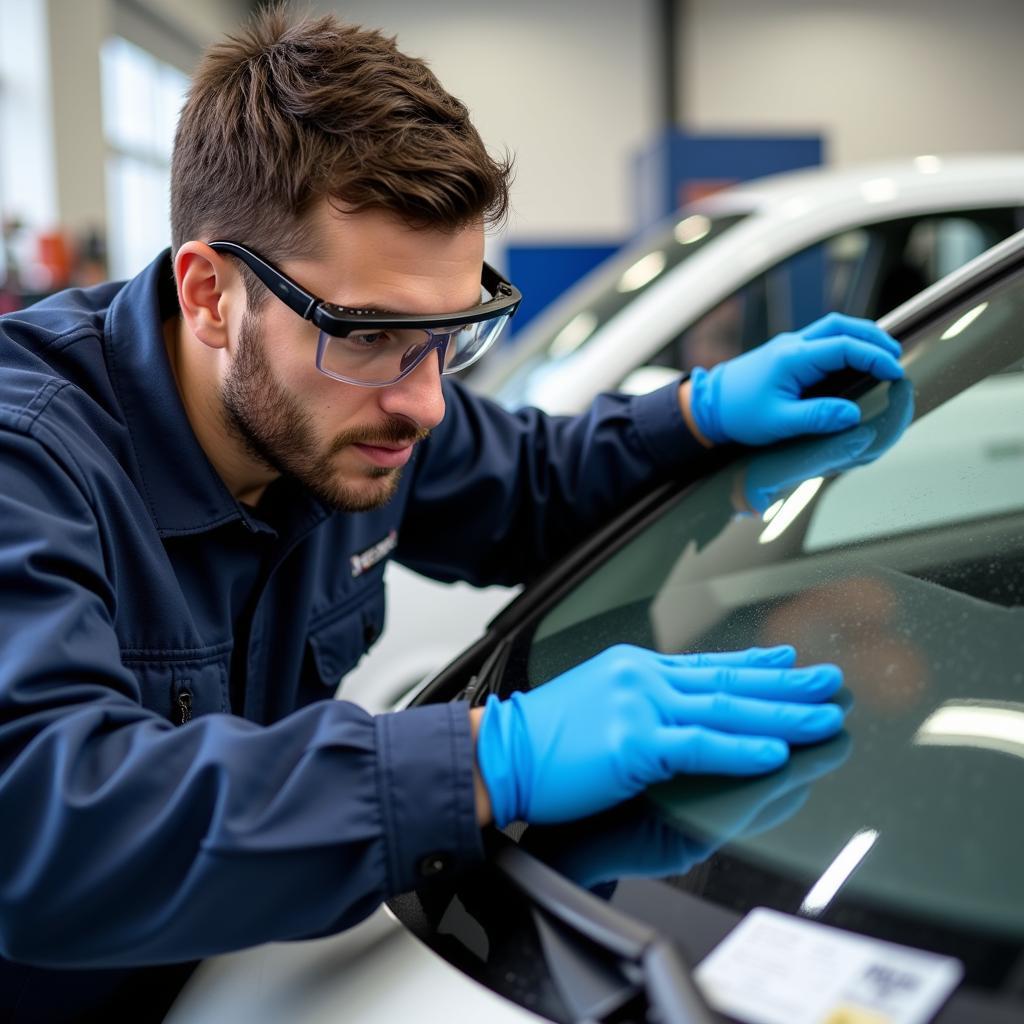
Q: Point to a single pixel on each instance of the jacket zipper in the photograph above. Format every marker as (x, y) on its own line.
(184, 706)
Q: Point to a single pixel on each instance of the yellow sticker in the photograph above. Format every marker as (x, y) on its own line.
(856, 1015)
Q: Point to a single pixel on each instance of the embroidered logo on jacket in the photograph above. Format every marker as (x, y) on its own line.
(367, 559)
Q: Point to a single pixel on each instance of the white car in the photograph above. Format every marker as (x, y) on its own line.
(721, 276)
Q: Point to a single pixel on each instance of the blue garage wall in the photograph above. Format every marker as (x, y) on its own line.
(542, 271)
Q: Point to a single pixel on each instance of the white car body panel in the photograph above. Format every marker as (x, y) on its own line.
(374, 973)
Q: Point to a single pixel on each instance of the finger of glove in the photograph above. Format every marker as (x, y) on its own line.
(854, 327)
(782, 656)
(815, 361)
(816, 416)
(700, 751)
(795, 723)
(796, 685)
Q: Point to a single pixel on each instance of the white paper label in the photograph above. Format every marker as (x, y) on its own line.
(777, 969)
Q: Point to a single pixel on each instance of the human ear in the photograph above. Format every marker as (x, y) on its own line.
(207, 286)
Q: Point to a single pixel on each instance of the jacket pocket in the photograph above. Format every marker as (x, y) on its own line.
(337, 640)
(181, 690)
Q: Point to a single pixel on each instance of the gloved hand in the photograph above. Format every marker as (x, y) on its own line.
(755, 398)
(629, 717)
(771, 474)
(646, 842)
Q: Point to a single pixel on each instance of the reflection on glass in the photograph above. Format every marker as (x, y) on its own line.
(988, 724)
(961, 325)
(645, 270)
(692, 229)
(573, 334)
(790, 510)
(836, 874)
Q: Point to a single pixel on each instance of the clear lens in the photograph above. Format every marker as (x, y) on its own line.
(371, 356)
(469, 344)
(379, 357)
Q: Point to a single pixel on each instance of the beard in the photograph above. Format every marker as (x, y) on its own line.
(279, 433)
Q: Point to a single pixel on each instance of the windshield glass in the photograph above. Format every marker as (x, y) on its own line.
(622, 280)
(898, 553)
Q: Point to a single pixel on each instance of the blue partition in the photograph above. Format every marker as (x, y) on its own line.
(542, 272)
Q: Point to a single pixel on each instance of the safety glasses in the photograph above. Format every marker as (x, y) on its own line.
(375, 349)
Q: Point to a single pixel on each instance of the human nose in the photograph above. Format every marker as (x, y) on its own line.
(417, 397)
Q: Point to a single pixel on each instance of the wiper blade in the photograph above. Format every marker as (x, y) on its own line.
(668, 982)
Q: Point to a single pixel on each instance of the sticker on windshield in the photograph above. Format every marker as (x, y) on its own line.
(776, 969)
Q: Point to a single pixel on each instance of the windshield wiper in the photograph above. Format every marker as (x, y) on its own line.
(668, 982)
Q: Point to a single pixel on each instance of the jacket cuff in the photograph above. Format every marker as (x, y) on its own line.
(662, 430)
(425, 776)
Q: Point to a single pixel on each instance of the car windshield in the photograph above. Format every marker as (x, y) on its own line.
(621, 280)
(902, 561)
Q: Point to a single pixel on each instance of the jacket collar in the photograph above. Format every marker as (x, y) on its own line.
(184, 492)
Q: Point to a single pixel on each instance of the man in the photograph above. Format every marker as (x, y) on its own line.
(202, 474)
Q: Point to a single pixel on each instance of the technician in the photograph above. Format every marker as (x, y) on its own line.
(203, 472)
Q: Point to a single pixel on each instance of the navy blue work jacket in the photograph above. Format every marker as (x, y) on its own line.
(175, 777)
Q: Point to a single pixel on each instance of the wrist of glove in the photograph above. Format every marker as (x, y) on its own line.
(608, 728)
(756, 398)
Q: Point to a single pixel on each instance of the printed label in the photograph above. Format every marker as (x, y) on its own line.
(367, 559)
(777, 969)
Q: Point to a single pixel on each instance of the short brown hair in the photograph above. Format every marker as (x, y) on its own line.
(289, 112)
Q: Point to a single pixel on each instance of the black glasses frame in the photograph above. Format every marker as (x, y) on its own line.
(340, 321)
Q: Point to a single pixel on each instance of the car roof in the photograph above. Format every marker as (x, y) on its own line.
(883, 182)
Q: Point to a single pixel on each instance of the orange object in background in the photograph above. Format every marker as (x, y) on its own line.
(55, 256)
(692, 191)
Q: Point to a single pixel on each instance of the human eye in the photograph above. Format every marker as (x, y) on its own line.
(368, 340)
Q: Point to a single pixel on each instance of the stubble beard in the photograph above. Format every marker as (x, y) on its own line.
(278, 432)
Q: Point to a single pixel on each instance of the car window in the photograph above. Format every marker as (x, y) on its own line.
(865, 271)
(906, 566)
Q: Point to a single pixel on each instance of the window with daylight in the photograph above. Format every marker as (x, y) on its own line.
(141, 100)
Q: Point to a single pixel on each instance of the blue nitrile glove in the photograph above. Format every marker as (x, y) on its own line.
(629, 717)
(771, 474)
(755, 398)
